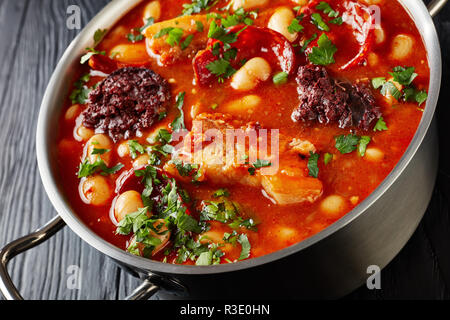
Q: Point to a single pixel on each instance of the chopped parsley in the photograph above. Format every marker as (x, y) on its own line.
(174, 36)
(295, 26)
(178, 123)
(404, 76)
(99, 35)
(323, 54)
(347, 143)
(80, 92)
(197, 6)
(307, 42)
(280, 78)
(88, 169)
(262, 163)
(337, 21)
(380, 125)
(317, 20)
(246, 247)
(327, 158)
(221, 68)
(200, 26)
(327, 9)
(412, 94)
(362, 146)
(313, 165)
(258, 165)
(221, 193)
(91, 52)
(135, 148)
(187, 41)
(390, 88)
(99, 151)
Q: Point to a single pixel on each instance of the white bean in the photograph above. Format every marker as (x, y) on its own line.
(130, 53)
(73, 112)
(141, 161)
(123, 149)
(333, 206)
(379, 34)
(281, 20)
(374, 155)
(83, 134)
(99, 142)
(95, 190)
(248, 4)
(246, 104)
(249, 75)
(128, 202)
(152, 10)
(402, 46)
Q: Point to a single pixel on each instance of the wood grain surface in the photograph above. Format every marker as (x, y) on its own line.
(33, 36)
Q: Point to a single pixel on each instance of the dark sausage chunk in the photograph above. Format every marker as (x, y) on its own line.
(329, 101)
(128, 100)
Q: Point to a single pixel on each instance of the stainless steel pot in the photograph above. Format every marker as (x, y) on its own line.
(330, 264)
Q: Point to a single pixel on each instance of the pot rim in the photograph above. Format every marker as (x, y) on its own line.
(52, 102)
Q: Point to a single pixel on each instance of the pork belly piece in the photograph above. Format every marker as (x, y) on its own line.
(225, 150)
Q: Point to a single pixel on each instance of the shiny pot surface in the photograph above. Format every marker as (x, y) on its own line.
(329, 264)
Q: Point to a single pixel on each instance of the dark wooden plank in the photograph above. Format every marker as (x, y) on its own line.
(37, 36)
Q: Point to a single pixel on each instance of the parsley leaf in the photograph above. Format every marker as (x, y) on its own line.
(135, 147)
(196, 6)
(88, 169)
(378, 82)
(246, 247)
(199, 26)
(412, 94)
(337, 21)
(390, 88)
(317, 20)
(178, 123)
(307, 42)
(362, 146)
(174, 36)
(262, 163)
(99, 35)
(280, 78)
(187, 41)
(327, 158)
(91, 52)
(323, 54)
(205, 259)
(80, 92)
(313, 165)
(326, 8)
(380, 125)
(346, 143)
(221, 193)
(404, 76)
(295, 26)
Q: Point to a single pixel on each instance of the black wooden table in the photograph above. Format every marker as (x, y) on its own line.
(33, 36)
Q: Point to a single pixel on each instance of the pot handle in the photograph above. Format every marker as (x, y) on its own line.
(11, 250)
(436, 6)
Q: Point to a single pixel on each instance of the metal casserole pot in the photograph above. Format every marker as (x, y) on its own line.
(330, 264)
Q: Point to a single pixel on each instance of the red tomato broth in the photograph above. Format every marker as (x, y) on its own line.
(347, 175)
